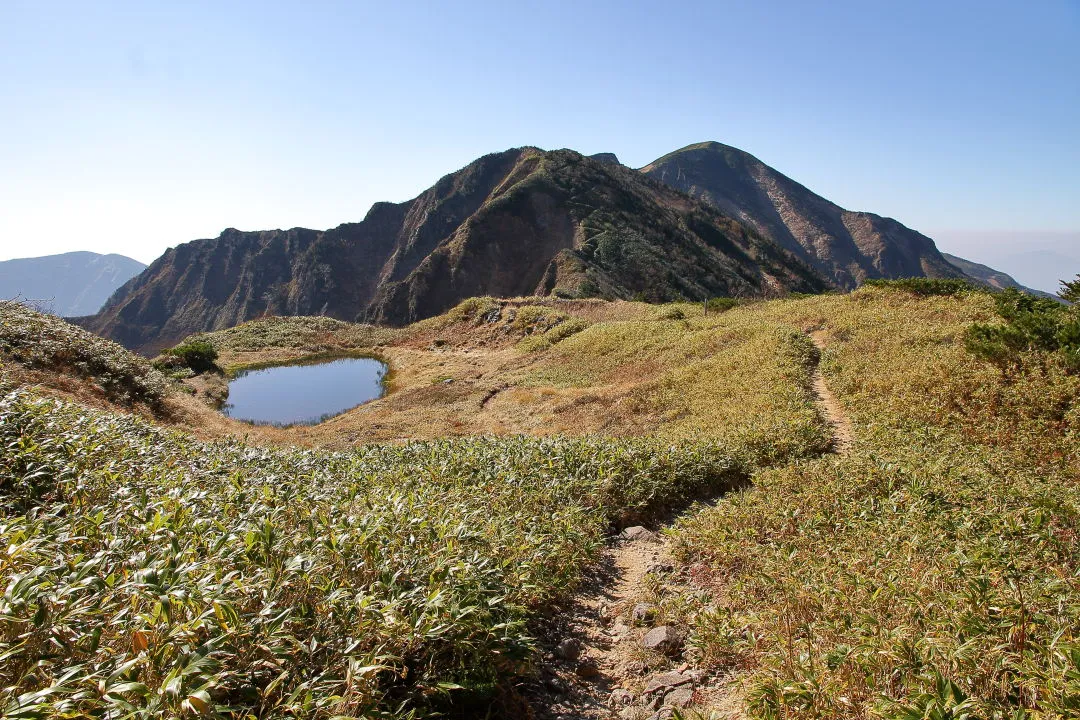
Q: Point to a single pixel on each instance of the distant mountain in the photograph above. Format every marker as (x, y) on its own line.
(519, 222)
(74, 283)
(1045, 268)
(1035, 258)
(846, 247)
(989, 276)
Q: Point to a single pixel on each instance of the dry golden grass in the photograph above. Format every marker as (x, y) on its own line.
(622, 369)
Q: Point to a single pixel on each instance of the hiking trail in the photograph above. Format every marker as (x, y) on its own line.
(599, 665)
(830, 407)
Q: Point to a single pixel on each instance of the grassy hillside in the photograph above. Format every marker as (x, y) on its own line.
(933, 566)
(931, 571)
(150, 572)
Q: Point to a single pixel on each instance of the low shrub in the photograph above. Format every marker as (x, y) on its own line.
(1032, 325)
(45, 342)
(197, 355)
(926, 287)
(720, 304)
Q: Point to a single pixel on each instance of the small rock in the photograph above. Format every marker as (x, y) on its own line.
(636, 532)
(555, 684)
(680, 697)
(643, 613)
(663, 639)
(619, 629)
(569, 649)
(447, 381)
(620, 698)
(660, 568)
(666, 681)
(588, 669)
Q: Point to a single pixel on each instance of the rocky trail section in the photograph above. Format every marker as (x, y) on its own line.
(610, 657)
(614, 658)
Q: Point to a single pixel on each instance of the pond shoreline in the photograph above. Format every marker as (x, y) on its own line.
(304, 391)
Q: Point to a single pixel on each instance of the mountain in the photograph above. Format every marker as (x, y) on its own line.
(846, 247)
(519, 222)
(1034, 258)
(74, 283)
(989, 276)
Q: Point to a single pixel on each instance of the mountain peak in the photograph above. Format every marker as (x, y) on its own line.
(846, 247)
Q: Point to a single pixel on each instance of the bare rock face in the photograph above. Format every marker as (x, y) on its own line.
(846, 247)
(664, 639)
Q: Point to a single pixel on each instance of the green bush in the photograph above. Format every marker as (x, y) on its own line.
(720, 304)
(1032, 325)
(925, 287)
(199, 355)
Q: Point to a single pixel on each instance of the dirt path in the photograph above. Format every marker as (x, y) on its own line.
(598, 664)
(830, 407)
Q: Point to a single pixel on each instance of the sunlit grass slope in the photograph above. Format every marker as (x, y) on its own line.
(148, 571)
(933, 571)
(152, 574)
(930, 572)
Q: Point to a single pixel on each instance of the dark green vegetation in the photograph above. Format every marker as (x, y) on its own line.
(1032, 324)
(517, 223)
(196, 355)
(75, 283)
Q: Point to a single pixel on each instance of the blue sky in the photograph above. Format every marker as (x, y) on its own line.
(132, 126)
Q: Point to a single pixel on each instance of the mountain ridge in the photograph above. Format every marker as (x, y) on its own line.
(847, 247)
(519, 222)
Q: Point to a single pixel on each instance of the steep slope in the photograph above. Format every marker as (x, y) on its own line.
(74, 283)
(989, 276)
(847, 247)
(519, 222)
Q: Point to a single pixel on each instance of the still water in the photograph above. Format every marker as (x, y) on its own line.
(304, 394)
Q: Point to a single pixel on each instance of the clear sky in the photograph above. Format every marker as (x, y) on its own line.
(132, 126)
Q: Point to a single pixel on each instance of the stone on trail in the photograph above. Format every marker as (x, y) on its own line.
(643, 613)
(665, 681)
(636, 532)
(569, 649)
(663, 639)
(680, 697)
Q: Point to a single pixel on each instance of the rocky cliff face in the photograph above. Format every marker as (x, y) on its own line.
(846, 247)
(518, 222)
